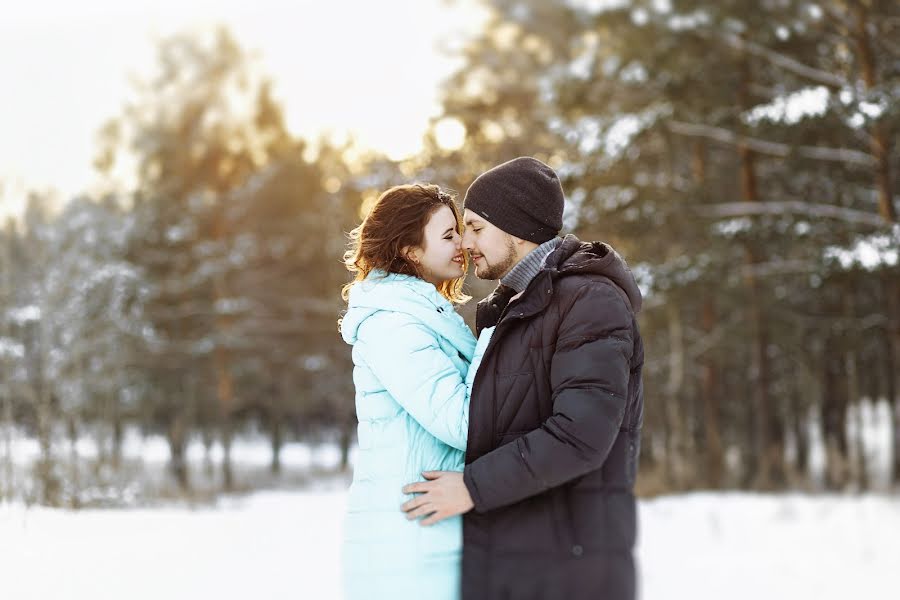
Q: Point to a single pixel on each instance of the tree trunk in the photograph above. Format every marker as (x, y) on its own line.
(678, 434)
(854, 391)
(276, 434)
(750, 458)
(118, 436)
(75, 479)
(710, 392)
(834, 413)
(709, 372)
(9, 486)
(222, 360)
(50, 486)
(226, 406)
(801, 434)
(347, 430)
(769, 444)
(880, 146)
(208, 466)
(225, 396)
(227, 471)
(177, 437)
(890, 341)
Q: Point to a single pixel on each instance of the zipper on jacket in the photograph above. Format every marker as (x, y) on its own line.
(510, 316)
(484, 359)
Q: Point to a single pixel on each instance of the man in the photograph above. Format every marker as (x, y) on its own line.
(556, 408)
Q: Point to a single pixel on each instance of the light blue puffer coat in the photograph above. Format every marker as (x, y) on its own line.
(411, 355)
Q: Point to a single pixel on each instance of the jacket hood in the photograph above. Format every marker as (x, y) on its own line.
(393, 292)
(574, 256)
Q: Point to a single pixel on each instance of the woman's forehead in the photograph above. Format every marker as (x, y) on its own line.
(443, 218)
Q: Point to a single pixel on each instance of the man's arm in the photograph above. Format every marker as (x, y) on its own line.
(589, 376)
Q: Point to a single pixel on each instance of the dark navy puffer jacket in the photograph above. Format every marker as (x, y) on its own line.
(554, 434)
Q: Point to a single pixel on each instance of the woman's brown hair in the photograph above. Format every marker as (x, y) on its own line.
(396, 221)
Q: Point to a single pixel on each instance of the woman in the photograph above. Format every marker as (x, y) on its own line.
(411, 355)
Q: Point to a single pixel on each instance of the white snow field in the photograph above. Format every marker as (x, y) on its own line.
(280, 545)
(285, 544)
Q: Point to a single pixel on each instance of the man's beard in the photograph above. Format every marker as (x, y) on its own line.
(503, 267)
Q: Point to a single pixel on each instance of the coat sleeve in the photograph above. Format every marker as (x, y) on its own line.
(589, 375)
(405, 356)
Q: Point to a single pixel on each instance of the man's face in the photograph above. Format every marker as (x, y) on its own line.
(492, 250)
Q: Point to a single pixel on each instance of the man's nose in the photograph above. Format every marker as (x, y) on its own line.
(468, 243)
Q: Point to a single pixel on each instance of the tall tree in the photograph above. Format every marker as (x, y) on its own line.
(201, 128)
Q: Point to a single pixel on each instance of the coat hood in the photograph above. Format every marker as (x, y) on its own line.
(574, 256)
(393, 292)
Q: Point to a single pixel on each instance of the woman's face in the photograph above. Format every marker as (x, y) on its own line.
(441, 256)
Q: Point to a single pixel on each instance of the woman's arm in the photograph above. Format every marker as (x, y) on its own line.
(405, 356)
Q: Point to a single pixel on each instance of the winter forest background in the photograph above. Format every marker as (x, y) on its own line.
(742, 156)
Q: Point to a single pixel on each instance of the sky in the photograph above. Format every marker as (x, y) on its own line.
(358, 67)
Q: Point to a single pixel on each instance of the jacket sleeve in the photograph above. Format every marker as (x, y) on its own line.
(589, 375)
(404, 355)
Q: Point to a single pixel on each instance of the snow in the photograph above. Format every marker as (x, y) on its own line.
(746, 546)
(24, 314)
(287, 544)
(273, 545)
(871, 252)
(791, 108)
(10, 348)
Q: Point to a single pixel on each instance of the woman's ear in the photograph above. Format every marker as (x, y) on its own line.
(411, 254)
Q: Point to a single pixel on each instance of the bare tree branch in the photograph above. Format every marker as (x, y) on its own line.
(742, 209)
(778, 267)
(785, 62)
(777, 149)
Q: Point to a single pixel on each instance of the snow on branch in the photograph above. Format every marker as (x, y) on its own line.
(11, 348)
(870, 252)
(24, 314)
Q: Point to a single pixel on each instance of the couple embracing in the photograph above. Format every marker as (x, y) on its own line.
(500, 466)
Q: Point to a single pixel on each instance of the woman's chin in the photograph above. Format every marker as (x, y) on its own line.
(455, 274)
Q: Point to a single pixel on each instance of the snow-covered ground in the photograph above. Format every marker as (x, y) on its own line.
(279, 545)
(285, 543)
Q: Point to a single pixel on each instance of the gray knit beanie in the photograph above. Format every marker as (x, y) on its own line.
(522, 197)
